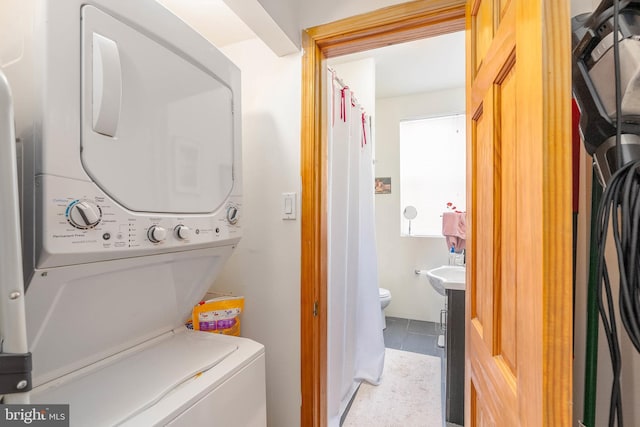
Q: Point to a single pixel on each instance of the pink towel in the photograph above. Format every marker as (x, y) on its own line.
(454, 228)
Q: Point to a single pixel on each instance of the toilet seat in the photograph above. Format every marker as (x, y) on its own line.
(385, 300)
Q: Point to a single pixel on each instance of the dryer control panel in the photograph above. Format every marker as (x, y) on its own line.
(82, 224)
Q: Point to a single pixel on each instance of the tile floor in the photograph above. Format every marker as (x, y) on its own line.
(413, 335)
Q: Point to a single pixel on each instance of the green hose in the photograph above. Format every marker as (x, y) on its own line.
(591, 359)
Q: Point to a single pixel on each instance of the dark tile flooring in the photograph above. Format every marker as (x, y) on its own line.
(416, 336)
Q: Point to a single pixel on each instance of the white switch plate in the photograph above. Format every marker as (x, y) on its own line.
(289, 205)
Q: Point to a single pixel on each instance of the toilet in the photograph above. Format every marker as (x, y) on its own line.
(385, 300)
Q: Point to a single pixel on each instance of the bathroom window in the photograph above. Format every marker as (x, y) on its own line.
(432, 172)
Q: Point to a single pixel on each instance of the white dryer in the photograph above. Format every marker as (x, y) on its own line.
(128, 128)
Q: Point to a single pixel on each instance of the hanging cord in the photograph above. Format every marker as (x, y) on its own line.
(620, 205)
(607, 314)
(606, 210)
(619, 210)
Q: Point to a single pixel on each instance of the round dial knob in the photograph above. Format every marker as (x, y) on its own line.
(84, 214)
(232, 214)
(156, 234)
(182, 232)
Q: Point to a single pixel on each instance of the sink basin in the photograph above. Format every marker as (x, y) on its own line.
(447, 277)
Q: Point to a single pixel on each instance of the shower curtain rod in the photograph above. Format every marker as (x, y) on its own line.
(336, 78)
(343, 85)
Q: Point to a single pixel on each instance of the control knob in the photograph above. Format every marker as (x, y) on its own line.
(84, 214)
(232, 214)
(182, 232)
(156, 234)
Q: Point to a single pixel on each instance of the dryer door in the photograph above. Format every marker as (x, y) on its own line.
(157, 127)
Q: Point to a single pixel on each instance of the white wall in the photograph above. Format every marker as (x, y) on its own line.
(294, 15)
(265, 267)
(399, 257)
(286, 13)
(314, 12)
(583, 6)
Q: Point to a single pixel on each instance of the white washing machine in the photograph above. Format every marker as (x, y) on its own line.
(128, 128)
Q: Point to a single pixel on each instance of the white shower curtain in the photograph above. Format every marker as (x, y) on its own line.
(355, 342)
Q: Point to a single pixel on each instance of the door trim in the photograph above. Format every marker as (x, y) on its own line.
(396, 24)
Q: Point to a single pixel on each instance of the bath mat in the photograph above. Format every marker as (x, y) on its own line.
(409, 395)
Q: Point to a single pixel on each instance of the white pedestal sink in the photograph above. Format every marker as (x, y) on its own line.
(447, 277)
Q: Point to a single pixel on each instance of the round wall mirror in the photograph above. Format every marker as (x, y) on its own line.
(410, 212)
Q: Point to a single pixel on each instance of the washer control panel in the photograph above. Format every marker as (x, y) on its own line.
(85, 224)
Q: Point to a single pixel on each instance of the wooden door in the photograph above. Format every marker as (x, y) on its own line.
(518, 301)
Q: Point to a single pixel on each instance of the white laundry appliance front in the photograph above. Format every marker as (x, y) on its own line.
(128, 129)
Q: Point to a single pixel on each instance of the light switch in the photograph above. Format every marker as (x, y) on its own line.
(288, 205)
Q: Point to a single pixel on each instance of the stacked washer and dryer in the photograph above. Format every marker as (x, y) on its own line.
(128, 130)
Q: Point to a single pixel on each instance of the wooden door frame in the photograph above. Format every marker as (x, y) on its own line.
(396, 24)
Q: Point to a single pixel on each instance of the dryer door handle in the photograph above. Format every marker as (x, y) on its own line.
(107, 85)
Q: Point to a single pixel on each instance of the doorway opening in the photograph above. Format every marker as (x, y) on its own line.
(415, 94)
(396, 24)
